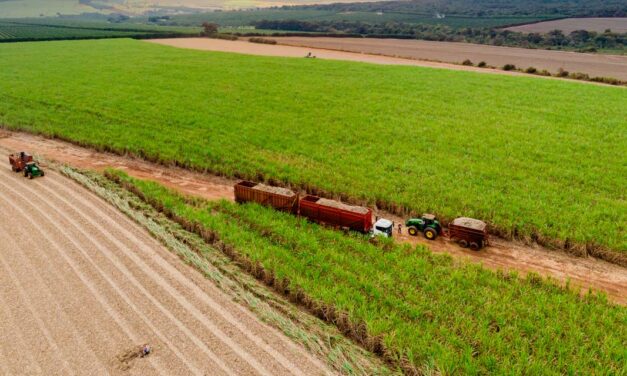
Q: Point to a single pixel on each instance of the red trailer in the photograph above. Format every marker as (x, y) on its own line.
(335, 213)
(279, 198)
(469, 232)
(19, 160)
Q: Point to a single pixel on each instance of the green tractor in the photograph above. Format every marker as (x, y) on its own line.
(428, 224)
(32, 169)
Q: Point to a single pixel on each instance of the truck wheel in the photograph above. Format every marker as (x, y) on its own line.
(430, 233)
(412, 230)
(463, 243)
(474, 246)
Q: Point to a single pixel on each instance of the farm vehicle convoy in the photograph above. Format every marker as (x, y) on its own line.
(467, 232)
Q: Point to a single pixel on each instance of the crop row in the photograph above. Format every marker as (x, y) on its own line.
(539, 160)
(421, 311)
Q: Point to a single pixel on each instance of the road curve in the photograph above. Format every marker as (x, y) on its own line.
(80, 285)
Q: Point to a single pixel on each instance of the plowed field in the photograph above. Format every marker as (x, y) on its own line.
(81, 285)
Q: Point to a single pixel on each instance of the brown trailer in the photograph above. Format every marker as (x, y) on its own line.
(19, 160)
(279, 198)
(469, 232)
(335, 213)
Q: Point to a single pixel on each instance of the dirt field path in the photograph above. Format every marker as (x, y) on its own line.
(80, 285)
(583, 272)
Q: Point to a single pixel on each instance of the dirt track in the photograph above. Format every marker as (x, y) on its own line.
(584, 272)
(80, 284)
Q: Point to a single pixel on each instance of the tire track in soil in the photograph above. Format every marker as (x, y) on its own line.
(186, 286)
(66, 277)
(40, 291)
(502, 254)
(136, 311)
(17, 348)
(21, 298)
(154, 279)
(66, 225)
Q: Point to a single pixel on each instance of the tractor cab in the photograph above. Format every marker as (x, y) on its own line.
(428, 224)
(32, 169)
(382, 227)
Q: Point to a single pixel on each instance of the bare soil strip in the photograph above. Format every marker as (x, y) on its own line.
(501, 254)
(568, 25)
(82, 285)
(593, 64)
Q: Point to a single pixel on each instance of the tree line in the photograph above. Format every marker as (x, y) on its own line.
(579, 40)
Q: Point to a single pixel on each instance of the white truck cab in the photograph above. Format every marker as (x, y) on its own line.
(382, 227)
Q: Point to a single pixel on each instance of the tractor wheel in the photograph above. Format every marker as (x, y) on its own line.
(430, 233)
(43, 173)
(412, 230)
(30, 176)
(463, 243)
(25, 173)
(474, 246)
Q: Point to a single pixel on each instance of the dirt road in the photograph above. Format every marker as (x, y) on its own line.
(592, 64)
(81, 286)
(584, 272)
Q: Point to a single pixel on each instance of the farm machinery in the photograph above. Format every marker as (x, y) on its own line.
(24, 162)
(467, 232)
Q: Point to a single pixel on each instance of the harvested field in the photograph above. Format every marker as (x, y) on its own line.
(83, 287)
(501, 254)
(568, 25)
(592, 64)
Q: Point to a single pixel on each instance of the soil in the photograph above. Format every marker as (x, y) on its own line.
(593, 64)
(568, 25)
(587, 273)
(82, 287)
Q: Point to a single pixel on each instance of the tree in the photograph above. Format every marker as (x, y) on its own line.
(210, 28)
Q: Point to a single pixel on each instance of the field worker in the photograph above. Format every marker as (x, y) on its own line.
(399, 229)
(145, 350)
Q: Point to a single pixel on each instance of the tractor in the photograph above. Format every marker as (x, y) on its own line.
(32, 169)
(428, 224)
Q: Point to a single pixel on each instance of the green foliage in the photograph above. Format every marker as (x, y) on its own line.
(451, 317)
(537, 159)
(58, 29)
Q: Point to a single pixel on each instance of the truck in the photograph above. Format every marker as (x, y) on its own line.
(19, 160)
(335, 213)
(279, 198)
(469, 232)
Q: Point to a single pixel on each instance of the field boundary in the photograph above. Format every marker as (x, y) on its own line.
(573, 248)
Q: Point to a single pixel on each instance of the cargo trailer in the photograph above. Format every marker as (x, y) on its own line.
(469, 232)
(279, 198)
(335, 213)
